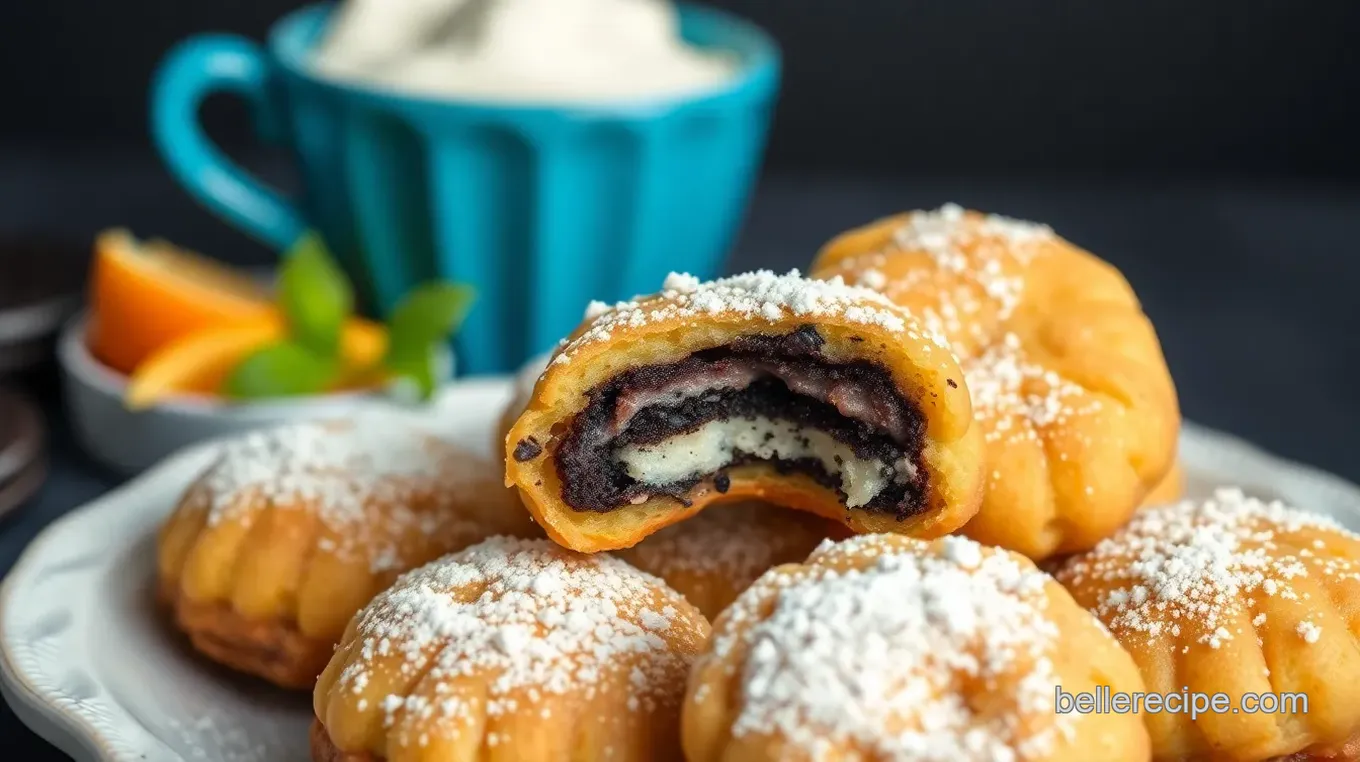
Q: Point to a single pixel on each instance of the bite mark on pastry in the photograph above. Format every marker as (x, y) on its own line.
(664, 428)
(808, 394)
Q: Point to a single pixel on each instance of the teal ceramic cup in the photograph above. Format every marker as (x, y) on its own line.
(541, 209)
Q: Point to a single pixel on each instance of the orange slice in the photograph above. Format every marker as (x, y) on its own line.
(146, 295)
(198, 363)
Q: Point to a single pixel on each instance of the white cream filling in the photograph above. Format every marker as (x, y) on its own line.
(713, 446)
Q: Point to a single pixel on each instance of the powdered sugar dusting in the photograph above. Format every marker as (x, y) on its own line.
(681, 283)
(939, 229)
(978, 268)
(538, 620)
(595, 308)
(206, 738)
(872, 278)
(982, 254)
(1191, 569)
(759, 295)
(1014, 398)
(879, 657)
(351, 473)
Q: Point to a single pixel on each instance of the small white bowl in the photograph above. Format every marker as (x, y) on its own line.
(130, 441)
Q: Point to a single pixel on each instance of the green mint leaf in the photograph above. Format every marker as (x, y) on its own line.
(426, 317)
(416, 379)
(315, 296)
(286, 369)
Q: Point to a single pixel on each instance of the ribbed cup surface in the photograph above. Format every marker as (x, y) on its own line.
(541, 209)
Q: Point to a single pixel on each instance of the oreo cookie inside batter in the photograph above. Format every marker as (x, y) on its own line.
(663, 429)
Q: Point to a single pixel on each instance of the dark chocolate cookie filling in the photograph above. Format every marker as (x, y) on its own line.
(594, 481)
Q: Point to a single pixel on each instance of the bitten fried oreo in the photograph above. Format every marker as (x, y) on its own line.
(1067, 377)
(802, 393)
(292, 530)
(511, 650)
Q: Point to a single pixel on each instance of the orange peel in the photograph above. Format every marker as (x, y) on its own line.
(198, 363)
(145, 295)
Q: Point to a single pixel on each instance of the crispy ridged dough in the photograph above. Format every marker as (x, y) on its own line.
(720, 726)
(1232, 596)
(482, 655)
(1069, 385)
(264, 581)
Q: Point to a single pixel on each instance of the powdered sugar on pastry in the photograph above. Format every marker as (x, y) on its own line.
(943, 231)
(1014, 398)
(983, 256)
(980, 252)
(352, 473)
(536, 619)
(1198, 564)
(757, 295)
(874, 659)
(994, 247)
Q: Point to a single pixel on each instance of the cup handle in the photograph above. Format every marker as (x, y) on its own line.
(193, 70)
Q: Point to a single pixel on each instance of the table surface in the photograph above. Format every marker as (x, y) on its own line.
(1252, 287)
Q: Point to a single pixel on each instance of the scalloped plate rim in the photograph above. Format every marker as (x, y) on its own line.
(75, 732)
(69, 728)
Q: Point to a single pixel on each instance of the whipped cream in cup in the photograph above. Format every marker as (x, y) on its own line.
(519, 51)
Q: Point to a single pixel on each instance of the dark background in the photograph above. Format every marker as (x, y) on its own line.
(1165, 86)
(1209, 149)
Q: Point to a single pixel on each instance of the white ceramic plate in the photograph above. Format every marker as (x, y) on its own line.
(85, 662)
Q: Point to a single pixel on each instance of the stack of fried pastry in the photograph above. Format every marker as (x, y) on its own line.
(788, 518)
